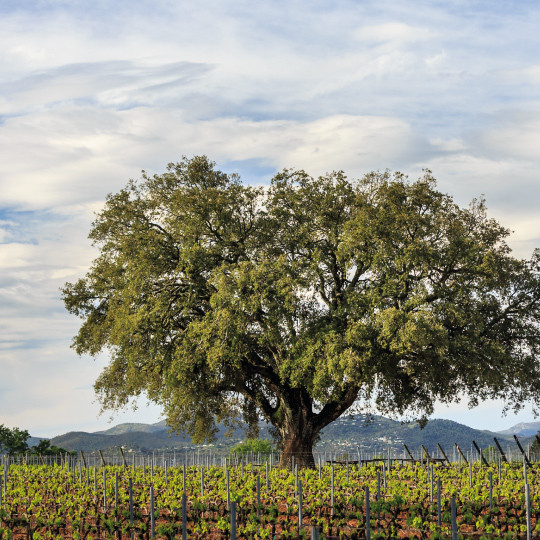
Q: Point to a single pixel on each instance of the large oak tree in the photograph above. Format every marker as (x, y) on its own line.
(219, 300)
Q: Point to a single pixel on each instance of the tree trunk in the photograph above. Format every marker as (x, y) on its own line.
(297, 442)
(299, 426)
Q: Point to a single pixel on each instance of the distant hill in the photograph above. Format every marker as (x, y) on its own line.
(349, 433)
(523, 429)
(33, 441)
(120, 429)
(145, 441)
(139, 437)
(380, 433)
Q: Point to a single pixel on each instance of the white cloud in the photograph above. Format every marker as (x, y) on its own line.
(526, 75)
(118, 84)
(78, 156)
(512, 134)
(394, 32)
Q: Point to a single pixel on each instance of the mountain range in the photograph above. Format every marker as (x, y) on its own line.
(349, 433)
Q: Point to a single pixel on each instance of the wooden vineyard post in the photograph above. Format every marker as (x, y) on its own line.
(227, 480)
(102, 458)
(523, 453)
(453, 512)
(233, 520)
(482, 458)
(131, 508)
(184, 477)
(314, 532)
(368, 517)
(443, 454)
(123, 457)
(332, 489)
(258, 495)
(408, 453)
(202, 482)
(431, 483)
(104, 491)
(184, 516)
(378, 492)
(152, 515)
(300, 517)
(439, 497)
(461, 454)
(528, 511)
(490, 494)
(500, 450)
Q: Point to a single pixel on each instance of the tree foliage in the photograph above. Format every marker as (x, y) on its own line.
(45, 448)
(14, 440)
(221, 300)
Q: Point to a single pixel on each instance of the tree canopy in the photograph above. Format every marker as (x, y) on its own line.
(14, 440)
(220, 300)
(45, 448)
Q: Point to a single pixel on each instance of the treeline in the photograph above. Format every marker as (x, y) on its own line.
(15, 441)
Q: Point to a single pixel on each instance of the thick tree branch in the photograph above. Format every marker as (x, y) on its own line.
(334, 409)
(260, 399)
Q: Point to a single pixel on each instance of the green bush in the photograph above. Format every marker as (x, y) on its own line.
(264, 446)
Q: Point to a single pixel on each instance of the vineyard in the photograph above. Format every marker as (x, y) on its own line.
(382, 499)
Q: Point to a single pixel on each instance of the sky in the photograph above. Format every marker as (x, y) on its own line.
(91, 93)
